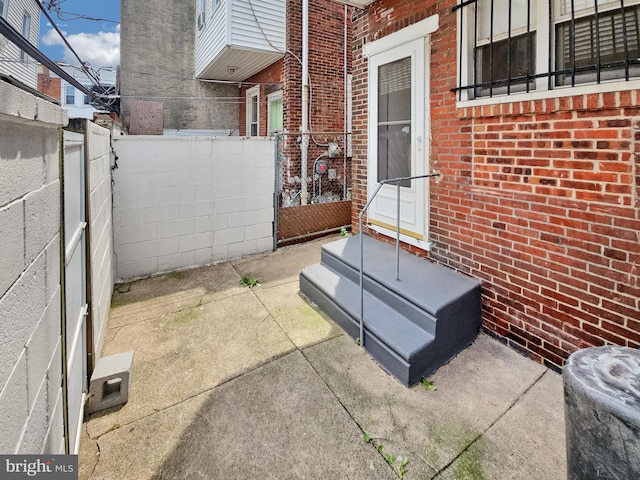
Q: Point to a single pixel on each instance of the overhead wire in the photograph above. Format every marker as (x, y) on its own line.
(22, 43)
(55, 6)
(94, 79)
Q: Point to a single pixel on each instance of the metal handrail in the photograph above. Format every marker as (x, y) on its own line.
(397, 181)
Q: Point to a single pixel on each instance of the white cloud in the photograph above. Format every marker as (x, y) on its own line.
(101, 49)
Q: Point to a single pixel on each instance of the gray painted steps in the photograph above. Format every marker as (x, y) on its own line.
(412, 325)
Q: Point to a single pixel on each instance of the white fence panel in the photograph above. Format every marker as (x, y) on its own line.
(75, 284)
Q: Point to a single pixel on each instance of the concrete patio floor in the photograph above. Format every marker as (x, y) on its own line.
(236, 383)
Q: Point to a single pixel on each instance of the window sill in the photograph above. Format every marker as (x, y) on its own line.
(507, 104)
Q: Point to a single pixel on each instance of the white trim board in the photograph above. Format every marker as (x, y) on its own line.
(406, 35)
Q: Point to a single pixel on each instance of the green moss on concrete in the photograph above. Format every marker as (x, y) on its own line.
(180, 275)
(183, 318)
(469, 465)
(121, 295)
(448, 438)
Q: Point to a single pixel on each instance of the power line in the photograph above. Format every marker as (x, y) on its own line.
(55, 6)
(22, 43)
(95, 80)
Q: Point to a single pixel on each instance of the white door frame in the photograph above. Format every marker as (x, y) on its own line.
(413, 42)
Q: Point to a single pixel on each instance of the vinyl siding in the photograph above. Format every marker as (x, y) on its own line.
(211, 39)
(233, 26)
(247, 29)
(10, 65)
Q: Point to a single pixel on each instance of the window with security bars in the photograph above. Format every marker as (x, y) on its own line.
(510, 46)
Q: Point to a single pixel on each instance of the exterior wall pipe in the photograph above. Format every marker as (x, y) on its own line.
(344, 107)
(304, 143)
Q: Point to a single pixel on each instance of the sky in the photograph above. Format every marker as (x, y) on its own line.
(95, 41)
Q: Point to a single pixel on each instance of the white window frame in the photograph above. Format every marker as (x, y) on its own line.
(201, 14)
(86, 99)
(540, 19)
(67, 95)
(26, 33)
(272, 97)
(4, 8)
(252, 93)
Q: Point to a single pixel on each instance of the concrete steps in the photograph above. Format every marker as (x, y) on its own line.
(413, 325)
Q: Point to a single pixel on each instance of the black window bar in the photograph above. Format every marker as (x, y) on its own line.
(593, 61)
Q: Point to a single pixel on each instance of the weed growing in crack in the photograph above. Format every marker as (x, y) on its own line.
(249, 281)
(397, 463)
(427, 384)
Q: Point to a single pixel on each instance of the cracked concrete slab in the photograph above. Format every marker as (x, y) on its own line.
(528, 441)
(278, 421)
(473, 391)
(302, 324)
(283, 265)
(181, 354)
(156, 296)
(255, 383)
(138, 450)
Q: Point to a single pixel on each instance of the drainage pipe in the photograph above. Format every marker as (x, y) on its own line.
(304, 142)
(345, 103)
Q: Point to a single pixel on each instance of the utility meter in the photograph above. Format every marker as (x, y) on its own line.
(321, 167)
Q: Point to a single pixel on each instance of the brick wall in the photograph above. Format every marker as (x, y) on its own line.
(326, 72)
(538, 199)
(49, 85)
(269, 80)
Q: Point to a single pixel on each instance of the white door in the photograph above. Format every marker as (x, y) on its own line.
(74, 286)
(397, 139)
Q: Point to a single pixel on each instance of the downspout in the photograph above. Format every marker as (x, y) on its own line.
(344, 107)
(304, 144)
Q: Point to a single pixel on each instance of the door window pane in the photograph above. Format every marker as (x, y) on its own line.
(394, 120)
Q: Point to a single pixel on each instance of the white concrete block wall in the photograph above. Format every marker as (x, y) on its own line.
(30, 336)
(182, 202)
(101, 229)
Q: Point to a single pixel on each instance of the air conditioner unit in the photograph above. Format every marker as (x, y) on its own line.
(200, 20)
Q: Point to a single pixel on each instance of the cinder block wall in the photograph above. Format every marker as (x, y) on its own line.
(30, 347)
(101, 231)
(181, 202)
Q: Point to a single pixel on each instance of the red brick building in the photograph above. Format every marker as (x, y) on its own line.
(277, 90)
(535, 133)
(47, 84)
